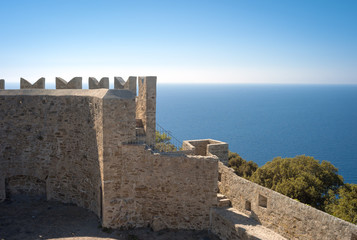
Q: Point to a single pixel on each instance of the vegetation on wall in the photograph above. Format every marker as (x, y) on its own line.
(241, 167)
(163, 143)
(301, 177)
(305, 179)
(343, 204)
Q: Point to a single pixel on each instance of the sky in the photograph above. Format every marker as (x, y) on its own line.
(250, 41)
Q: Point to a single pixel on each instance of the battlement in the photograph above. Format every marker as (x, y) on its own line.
(76, 83)
(74, 145)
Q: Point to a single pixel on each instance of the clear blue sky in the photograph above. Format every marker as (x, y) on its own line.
(251, 41)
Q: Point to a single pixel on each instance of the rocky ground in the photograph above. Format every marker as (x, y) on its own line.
(53, 220)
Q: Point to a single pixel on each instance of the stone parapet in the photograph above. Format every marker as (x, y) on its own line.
(283, 215)
(39, 84)
(130, 84)
(207, 147)
(157, 190)
(75, 83)
(94, 84)
(146, 107)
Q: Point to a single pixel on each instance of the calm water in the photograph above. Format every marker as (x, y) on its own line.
(261, 122)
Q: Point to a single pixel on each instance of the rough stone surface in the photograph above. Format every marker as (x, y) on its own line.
(75, 83)
(80, 146)
(39, 84)
(2, 84)
(159, 190)
(230, 224)
(287, 217)
(61, 139)
(130, 84)
(94, 84)
(72, 146)
(146, 107)
(207, 147)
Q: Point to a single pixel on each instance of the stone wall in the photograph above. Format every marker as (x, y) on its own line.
(289, 218)
(57, 136)
(75, 146)
(161, 191)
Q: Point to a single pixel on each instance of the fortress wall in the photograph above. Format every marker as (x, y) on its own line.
(51, 135)
(160, 191)
(282, 214)
(146, 107)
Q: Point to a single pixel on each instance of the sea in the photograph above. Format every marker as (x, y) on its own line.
(261, 122)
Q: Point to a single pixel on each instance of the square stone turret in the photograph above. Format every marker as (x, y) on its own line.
(146, 107)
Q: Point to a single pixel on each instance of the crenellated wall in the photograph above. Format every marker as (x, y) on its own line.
(80, 146)
(75, 146)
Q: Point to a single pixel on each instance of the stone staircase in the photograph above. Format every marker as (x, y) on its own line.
(223, 201)
(140, 132)
(230, 224)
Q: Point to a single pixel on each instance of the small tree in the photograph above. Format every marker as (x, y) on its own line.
(343, 204)
(240, 166)
(302, 178)
(163, 143)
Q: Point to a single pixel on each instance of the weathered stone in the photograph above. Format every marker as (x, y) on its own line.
(285, 216)
(39, 84)
(2, 84)
(76, 146)
(76, 142)
(207, 147)
(130, 84)
(230, 224)
(146, 107)
(94, 84)
(157, 224)
(75, 83)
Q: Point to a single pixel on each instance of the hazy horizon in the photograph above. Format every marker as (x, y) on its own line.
(230, 41)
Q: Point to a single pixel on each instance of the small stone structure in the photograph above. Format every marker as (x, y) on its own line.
(75, 83)
(94, 148)
(130, 84)
(94, 84)
(39, 84)
(2, 84)
(208, 147)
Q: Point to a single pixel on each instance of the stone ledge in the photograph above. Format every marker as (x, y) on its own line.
(228, 223)
(99, 93)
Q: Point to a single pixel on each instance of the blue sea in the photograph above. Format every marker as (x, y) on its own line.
(261, 122)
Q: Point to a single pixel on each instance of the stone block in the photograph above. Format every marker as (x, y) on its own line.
(157, 224)
(75, 83)
(130, 84)
(94, 84)
(2, 84)
(39, 84)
